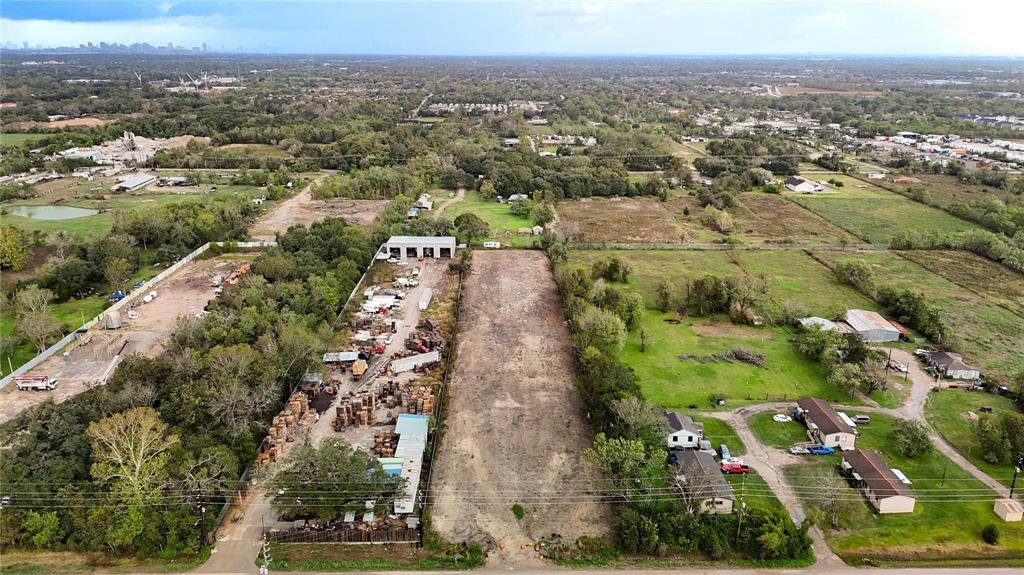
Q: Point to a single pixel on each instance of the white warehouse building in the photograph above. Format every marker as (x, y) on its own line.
(416, 246)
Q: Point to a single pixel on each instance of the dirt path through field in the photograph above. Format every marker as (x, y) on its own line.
(515, 426)
(458, 198)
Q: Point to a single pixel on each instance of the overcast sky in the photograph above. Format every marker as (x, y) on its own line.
(484, 27)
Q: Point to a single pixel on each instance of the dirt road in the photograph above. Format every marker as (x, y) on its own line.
(515, 426)
(303, 209)
(768, 463)
(458, 198)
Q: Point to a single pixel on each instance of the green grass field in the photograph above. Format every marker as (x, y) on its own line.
(718, 432)
(951, 510)
(989, 335)
(775, 434)
(18, 138)
(795, 276)
(945, 412)
(499, 217)
(101, 223)
(874, 214)
(673, 383)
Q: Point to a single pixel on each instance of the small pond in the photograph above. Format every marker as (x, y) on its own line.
(50, 212)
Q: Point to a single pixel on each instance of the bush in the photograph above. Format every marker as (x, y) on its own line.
(990, 534)
(517, 510)
(910, 438)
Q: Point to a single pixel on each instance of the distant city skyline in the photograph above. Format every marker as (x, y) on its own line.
(525, 27)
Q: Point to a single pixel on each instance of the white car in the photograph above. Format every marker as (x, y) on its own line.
(392, 260)
(731, 460)
(797, 450)
(782, 418)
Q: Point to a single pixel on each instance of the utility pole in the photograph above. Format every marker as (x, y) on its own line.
(1016, 471)
(739, 524)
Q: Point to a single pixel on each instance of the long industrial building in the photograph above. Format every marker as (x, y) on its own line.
(416, 246)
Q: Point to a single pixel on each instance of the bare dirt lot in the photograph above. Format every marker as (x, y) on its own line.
(303, 209)
(183, 294)
(72, 123)
(515, 426)
(621, 220)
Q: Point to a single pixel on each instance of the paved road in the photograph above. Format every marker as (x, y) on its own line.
(726, 247)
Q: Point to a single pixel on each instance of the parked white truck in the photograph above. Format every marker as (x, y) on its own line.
(35, 382)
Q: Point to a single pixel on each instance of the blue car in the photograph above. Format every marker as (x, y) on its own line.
(821, 450)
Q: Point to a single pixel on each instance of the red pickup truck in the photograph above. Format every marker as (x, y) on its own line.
(735, 468)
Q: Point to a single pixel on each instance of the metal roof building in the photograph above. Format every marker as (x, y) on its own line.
(132, 183)
(410, 363)
(877, 482)
(412, 440)
(871, 325)
(416, 246)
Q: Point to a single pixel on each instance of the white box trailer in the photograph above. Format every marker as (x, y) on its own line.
(425, 298)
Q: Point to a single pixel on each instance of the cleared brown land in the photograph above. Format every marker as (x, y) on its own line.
(72, 123)
(515, 427)
(772, 218)
(303, 209)
(183, 294)
(641, 220)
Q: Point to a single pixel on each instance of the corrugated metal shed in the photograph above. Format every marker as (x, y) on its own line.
(340, 356)
(866, 320)
(412, 362)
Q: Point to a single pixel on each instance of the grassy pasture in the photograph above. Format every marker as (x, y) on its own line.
(946, 411)
(503, 223)
(99, 224)
(874, 214)
(669, 381)
(770, 218)
(976, 273)
(990, 335)
(18, 138)
(946, 190)
(952, 509)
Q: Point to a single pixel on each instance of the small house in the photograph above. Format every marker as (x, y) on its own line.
(701, 481)
(803, 185)
(952, 365)
(1009, 510)
(871, 326)
(685, 432)
(877, 482)
(824, 425)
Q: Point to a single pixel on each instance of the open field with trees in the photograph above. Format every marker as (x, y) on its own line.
(667, 380)
(957, 416)
(502, 223)
(876, 215)
(988, 334)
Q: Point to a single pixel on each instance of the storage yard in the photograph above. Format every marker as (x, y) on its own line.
(515, 425)
(143, 329)
(378, 389)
